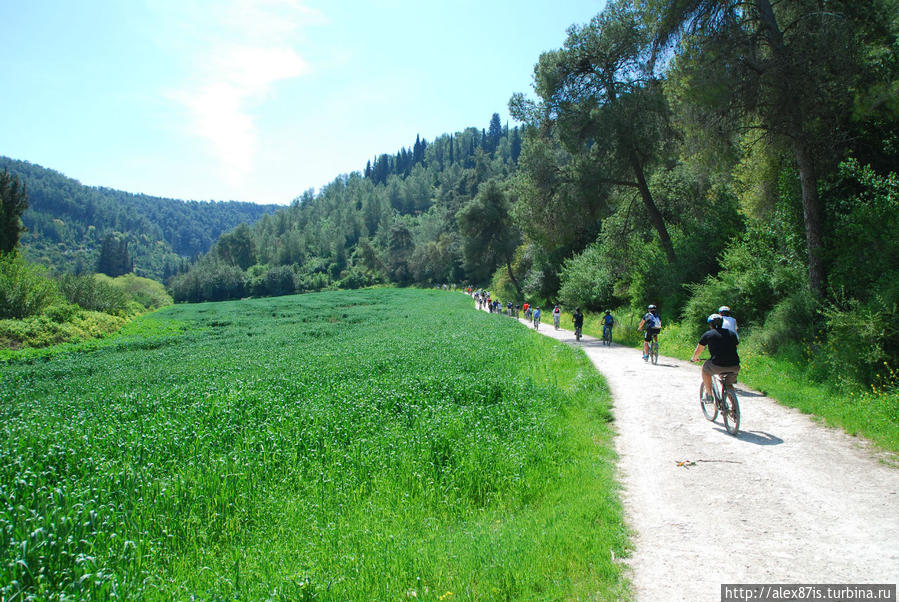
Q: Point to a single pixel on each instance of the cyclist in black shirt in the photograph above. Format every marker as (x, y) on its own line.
(722, 344)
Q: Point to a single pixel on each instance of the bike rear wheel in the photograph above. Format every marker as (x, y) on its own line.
(709, 408)
(732, 415)
(607, 336)
(654, 352)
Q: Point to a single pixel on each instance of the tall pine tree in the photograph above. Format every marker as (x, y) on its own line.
(13, 202)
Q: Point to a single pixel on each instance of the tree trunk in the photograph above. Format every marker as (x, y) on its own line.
(811, 211)
(512, 278)
(808, 176)
(654, 216)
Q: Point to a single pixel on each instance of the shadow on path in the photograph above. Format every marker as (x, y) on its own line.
(754, 437)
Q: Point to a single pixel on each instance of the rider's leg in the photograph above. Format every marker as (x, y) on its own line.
(707, 377)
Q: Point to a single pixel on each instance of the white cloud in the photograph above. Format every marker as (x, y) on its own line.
(243, 50)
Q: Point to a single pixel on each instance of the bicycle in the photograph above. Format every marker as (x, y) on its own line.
(536, 322)
(727, 404)
(577, 333)
(653, 349)
(607, 335)
(556, 321)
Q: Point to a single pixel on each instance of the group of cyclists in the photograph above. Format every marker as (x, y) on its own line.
(721, 338)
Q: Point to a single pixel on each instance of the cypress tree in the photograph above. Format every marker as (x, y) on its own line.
(13, 202)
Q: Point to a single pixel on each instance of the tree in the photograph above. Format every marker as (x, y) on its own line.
(400, 248)
(114, 259)
(237, 247)
(494, 133)
(786, 69)
(489, 234)
(13, 203)
(600, 95)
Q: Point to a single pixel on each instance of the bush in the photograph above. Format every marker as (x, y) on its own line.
(25, 289)
(209, 281)
(63, 312)
(149, 293)
(94, 294)
(280, 280)
(863, 338)
(587, 282)
(792, 319)
(756, 276)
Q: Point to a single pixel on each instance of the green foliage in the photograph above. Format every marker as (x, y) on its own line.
(489, 235)
(396, 456)
(25, 289)
(864, 251)
(114, 259)
(587, 282)
(13, 203)
(757, 272)
(863, 338)
(149, 293)
(60, 324)
(94, 294)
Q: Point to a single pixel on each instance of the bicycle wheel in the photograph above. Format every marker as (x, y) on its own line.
(654, 352)
(607, 336)
(732, 415)
(709, 408)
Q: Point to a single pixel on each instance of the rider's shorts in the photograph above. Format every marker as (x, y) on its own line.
(651, 332)
(730, 372)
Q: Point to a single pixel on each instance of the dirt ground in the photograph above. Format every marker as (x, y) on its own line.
(786, 501)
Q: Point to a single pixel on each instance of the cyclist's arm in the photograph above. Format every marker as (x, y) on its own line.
(699, 349)
(642, 322)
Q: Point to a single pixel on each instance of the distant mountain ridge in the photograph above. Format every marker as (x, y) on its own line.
(68, 221)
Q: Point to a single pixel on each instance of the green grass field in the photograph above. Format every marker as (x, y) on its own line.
(369, 445)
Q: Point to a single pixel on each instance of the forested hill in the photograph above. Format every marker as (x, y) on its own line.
(412, 216)
(68, 223)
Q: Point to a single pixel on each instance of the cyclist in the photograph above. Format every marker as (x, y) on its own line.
(557, 315)
(578, 321)
(607, 322)
(722, 344)
(526, 308)
(653, 324)
(729, 321)
(536, 318)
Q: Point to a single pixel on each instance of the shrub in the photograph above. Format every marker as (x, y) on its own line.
(149, 293)
(587, 281)
(62, 312)
(280, 280)
(25, 289)
(863, 337)
(94, 294)
(756, 276)
(793, 318)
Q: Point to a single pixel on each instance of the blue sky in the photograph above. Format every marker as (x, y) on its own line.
(257, 100)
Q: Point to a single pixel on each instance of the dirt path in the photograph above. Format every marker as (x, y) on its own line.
(786, 501)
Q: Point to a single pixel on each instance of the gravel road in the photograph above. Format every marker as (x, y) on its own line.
(786, 501)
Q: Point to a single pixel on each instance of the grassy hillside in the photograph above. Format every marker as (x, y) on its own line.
(378, 444)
